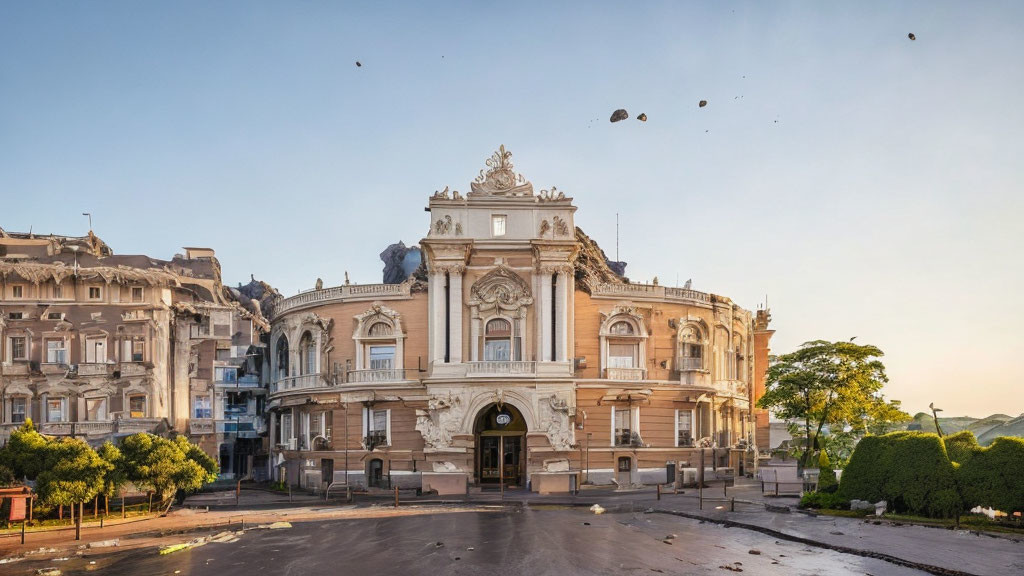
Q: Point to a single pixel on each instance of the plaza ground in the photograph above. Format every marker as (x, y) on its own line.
(518, 533)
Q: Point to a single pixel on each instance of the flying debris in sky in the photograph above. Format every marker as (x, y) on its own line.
(642, 117)
(702, 103)
(359, 64)
(619, 114)
(911, 36)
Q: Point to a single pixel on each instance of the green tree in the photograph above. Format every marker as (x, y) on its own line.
(833, 383)
(24, 452)
(72, 472)
(164, 466)
(117, 473)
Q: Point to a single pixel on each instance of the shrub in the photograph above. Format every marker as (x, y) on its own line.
(824, 501)
(961, 446)
(910, 470)
(994, 476)
(827, 480)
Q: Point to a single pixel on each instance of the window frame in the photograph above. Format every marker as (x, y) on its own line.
(17, 291)
(24, 348)
(208, 409)
(62, 403)
(25, 411)
(693, 420)
(634, 425)
(369, 420)
(99, 293)
(106, 408)
(90, 349)
(63, 350)
(142, 294)
(145, 405)
(497, 219)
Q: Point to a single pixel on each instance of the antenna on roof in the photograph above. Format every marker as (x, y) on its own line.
(89, 214)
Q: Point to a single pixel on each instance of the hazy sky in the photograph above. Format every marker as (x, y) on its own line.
(869, 185)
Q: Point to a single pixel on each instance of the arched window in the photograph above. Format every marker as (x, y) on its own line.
(379, 346)
(691, 348)
(738, 359)
(498, 340)
(307, 349)
(282, 357)
(621, 328)
(379, 329)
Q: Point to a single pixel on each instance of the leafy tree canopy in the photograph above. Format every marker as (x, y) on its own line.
(72, 472)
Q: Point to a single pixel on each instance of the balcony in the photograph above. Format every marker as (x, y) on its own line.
(136, 425)
(96, 428)
(375, 376)
(336, 293)
(56, 428)
(16, 368)
(247, 382)
(197, 427)
(501, 368)
(302, 382)
(624, 373)
(133, 369)
(688, 364)
(96, 369)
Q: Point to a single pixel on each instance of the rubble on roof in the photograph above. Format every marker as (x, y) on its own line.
(400, 262)
(593, 266)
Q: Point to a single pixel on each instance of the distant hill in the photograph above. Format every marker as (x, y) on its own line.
(985, 429)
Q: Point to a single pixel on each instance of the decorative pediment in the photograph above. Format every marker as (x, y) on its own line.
(500, 178)
(378, 312)
(501, 288)
(623, 311)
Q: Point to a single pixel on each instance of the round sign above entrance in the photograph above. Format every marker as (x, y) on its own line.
(503, 419)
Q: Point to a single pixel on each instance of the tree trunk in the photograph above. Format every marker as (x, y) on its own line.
(60, 512)
(150, 501)
(96, 506)
(106, 505)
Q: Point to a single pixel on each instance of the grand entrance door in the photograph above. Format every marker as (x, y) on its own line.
(501, 444)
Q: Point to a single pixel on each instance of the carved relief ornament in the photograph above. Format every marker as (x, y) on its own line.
(500, 288)
(500, 179)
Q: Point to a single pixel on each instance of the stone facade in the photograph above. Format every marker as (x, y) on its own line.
(509, 356)
(97, 346)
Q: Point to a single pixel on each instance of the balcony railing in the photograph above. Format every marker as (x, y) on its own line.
(690, 363)
(372, 376)
(340, 293)
(502, 367)
(651, 291)
(96, 369)
(624, 373)
(302, 382)
(132, 369)
(200, 427)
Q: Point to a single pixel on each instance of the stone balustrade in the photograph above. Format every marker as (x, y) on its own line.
(624, 373)
(372, 376)
(344, 292)
(651, 292)
(301, 382)
(501, 368)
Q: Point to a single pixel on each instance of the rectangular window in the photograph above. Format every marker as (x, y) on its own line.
(19, 350)
(137, 294)
(286, 428)
(684, 428)
(56, 352)
(17, 291)
(134, 350)
(227, 375)
(137, 406)
(19, 407)
(498, 225)
(376, 425)
(95, 409)
(201, 407)
(55, 410)
(95, 350)
(58, 291)
(95, 293)
(382, 357)
(622, 355)
(623, 428)
(16, 315)
(54, 315)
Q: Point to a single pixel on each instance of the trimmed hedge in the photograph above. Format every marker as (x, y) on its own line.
(909, 470)
(824, 501)
(961, 446)
(994, 476)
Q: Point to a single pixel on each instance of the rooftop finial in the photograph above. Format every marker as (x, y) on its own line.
(500, 178)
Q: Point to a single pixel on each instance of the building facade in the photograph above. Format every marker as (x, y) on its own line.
(97, 345)
(515, 351)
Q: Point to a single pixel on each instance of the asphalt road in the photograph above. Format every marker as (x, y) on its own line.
(527, 541)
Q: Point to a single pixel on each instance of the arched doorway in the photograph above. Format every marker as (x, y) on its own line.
(500, 445)
(375, 473)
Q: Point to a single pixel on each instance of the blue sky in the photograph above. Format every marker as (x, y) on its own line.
(869, 185)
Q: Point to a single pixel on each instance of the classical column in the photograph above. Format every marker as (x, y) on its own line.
(455, 308)
(545, 315)
(437, 318)
(562, 319)
(474, 337)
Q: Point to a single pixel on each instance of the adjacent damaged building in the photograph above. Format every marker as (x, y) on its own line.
(96, 345)
(514, 353)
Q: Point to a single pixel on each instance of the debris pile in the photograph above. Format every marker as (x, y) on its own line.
(400, 262)
(593, 266)
(619, 115)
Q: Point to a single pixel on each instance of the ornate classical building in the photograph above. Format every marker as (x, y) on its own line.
(96, 345)
(515, 354)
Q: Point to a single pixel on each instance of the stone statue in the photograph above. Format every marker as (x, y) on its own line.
(346, 278)
(319, 284)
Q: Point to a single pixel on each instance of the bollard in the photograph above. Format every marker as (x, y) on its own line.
(659, 491)
(22, 531)
(101, 521)
(732, 504)
(289, 492)
(396, 496)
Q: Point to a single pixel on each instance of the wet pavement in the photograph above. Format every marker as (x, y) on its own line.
(551, 540)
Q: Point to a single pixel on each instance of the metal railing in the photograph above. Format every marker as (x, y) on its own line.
(301, 382)
(502, 367)
(624, 373)
(378, 375)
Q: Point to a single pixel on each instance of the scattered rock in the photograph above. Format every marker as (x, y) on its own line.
(702, 103)
(439, 545)
(359, 64)
(470, 549)
(597, 509)
(731, 568)
(911, 36)
(619, 114)
(280, 525)
(103, 543)
(642, 117)
(11, 559)
(754, 552)
(48, 572)
(671, 537)
(836, 533)
(586, 523)
(667, 541)
(856, 504)
(774, 508)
